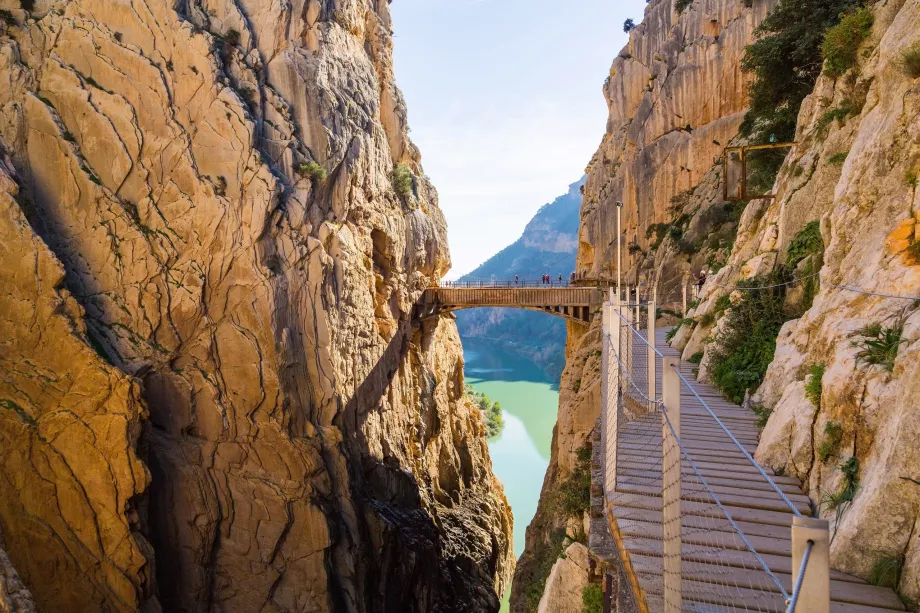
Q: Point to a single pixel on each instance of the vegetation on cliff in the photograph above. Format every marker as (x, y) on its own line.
(491, 411)
(744, 346)
(786, 61)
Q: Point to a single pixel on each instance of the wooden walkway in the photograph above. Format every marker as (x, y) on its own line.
(719, 573)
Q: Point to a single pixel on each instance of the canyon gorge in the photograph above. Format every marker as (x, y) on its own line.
(217, 393)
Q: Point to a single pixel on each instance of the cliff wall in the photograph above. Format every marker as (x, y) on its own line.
(854, 171)
(215, 180)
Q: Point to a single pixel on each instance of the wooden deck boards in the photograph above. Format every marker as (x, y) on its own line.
(719, 572)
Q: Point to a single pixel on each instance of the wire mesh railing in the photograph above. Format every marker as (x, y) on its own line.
(704, 526)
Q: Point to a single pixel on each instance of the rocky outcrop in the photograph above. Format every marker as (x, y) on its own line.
(567, 581)
(676, 96)
(214, 178)
(14, 597)
(855, 172)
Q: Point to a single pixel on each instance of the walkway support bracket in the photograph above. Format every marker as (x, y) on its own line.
(670, 482)
(815, 593)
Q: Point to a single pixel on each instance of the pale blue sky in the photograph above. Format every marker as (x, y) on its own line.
(505, 104)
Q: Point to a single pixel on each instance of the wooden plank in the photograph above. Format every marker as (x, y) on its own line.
(844, 591)
(687, 507)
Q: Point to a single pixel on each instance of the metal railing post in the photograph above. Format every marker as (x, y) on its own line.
(613, 395)
(683, 296)
(606, 317)
(670, 485)
(814, 595)
(652, 361)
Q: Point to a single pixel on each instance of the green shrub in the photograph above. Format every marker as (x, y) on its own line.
(723, 303)
(681, 5)
(837, 159)
(807, 242)
(491, 411)
(634, 248)
(839, 501)
(785, 60)
(696, 358)
(807, 246)
(839, 114)
(763, 415)
(592, 599)
(833, 435)
(886, 572)
(813, 384)
(744, 347)
(910, 59)
(402, 180)
(312, 170)
(574, 494)
(878, 345)
(842, 41)
(910, 179)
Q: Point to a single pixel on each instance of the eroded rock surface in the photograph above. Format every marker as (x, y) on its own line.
(214, 177)
(867, 207)
(566, 582)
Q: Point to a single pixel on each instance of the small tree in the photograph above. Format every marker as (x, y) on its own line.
(629, 25)
(402, 180)
(314, 171)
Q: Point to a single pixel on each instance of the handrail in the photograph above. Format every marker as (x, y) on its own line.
(800, 579)
(744, 451)
(659, 404)
(737, 528)
(706, 406)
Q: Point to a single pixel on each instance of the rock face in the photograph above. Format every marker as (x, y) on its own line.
(867, 207)
(676, 96)
(566, 582)
(14, 597)
(214, 179)
(69, 425)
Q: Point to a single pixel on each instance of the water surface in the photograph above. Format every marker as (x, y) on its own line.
(529, 400)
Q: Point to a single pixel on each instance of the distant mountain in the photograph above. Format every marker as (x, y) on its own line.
(547, 246)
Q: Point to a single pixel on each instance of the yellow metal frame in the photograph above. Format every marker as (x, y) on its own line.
(742, 189)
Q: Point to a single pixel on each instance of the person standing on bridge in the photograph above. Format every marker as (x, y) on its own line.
(515, 279)
(572, 277)
(560, 278)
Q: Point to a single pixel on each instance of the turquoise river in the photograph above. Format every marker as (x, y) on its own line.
(520, 454)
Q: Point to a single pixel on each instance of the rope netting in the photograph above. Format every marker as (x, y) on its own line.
(703, 524)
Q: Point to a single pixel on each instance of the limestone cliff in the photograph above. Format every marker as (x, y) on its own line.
(854, 170)
(212, 206)
(676, 96)
(14, 597)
